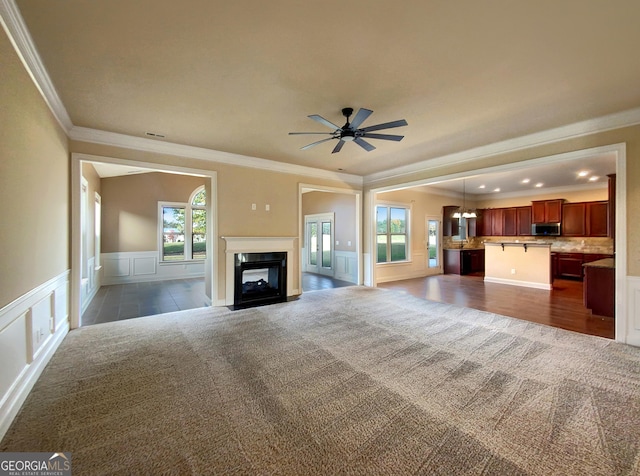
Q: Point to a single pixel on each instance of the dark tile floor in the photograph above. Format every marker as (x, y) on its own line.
(315, 282)
(124, 301)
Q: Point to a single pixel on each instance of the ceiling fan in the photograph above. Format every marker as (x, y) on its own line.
(351, 131)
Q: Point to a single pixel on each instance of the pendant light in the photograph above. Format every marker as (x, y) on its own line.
(464, 212)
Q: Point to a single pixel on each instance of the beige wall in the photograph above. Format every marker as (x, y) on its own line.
(237, 189)
(130, 208)
(34, 183)
(629, 135)
(344, 207)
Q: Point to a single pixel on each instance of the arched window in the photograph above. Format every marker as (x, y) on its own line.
(184, 228)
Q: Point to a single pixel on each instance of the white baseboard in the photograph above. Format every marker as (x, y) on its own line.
(31, 329)
(513, 282)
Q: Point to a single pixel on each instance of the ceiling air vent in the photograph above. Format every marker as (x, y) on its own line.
(153, 134)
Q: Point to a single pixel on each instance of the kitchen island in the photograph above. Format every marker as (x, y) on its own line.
(518, 263)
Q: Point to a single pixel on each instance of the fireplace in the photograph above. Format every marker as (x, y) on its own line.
(259, 279)
(261, 246)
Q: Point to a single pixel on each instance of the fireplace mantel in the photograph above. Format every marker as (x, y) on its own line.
(256, 244)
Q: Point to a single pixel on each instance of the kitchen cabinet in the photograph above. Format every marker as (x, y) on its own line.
(597, 218)
(546, 211)
(509, 223)
(463, 261)
(573, 219)
(523, 221)
(599, 287)
(497, 221)
(570, 265)
(589, 219)
(450, 225)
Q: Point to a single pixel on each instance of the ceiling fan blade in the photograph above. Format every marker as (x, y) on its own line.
(360, 117)
(301, 133)
(322, 120)
(383, 136)
(386, 125)
(338, 147)
(313, 144)
(364, 144)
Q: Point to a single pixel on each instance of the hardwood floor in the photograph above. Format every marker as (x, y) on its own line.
(561, 307)
(315, 282)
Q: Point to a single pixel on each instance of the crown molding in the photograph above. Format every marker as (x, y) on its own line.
(618, 120)
(95, 136)
(20, 37)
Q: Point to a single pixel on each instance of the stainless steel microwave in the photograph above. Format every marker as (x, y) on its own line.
(545, 229)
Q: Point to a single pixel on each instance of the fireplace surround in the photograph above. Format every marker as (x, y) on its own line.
(260, 245)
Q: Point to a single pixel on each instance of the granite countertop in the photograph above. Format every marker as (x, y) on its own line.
(528, 243)
(602, 263)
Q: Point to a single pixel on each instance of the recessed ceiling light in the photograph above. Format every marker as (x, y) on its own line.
(583, 173)
(482, 186)
(539, 184)
(496, 189)
(594, 178)
(526, 180)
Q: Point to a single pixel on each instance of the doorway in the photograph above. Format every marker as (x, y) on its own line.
(432, 244)
(318, 239)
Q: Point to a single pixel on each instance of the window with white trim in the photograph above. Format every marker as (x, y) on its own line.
(183, 229)
(392, 235)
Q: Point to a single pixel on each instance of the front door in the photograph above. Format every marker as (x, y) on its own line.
(319, 244)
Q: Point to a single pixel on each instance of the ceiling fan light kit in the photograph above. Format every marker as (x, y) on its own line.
(351, 131)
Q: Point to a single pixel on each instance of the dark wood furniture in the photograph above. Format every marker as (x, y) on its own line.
(570, 265)
(546, 211)
(599, 287)
(450, 225)
(463, 261)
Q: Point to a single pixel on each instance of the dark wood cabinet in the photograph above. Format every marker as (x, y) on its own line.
(509, 221)
(599, 290)
(480, 223)
(523, 221)
(472, 227)
(597, 218)
(497, 222)
(450, 225)
(461, 261)
(546, 211)
(570, 265)
(573, 219)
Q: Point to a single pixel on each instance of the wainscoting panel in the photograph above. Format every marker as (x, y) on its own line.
(31, 329)
(633, 312)
(141, 266)
(144, 266)
(346, 266)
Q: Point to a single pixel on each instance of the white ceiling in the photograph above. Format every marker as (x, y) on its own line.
(238, 76)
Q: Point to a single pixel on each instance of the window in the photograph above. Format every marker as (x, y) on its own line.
(184, 228)
(391, 233)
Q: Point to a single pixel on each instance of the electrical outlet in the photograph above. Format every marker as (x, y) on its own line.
(267, 207)
(254, 206)
(513, 270)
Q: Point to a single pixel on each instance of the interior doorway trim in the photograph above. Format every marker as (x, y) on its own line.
(211, 263)
(306, 187)
(623, 318)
